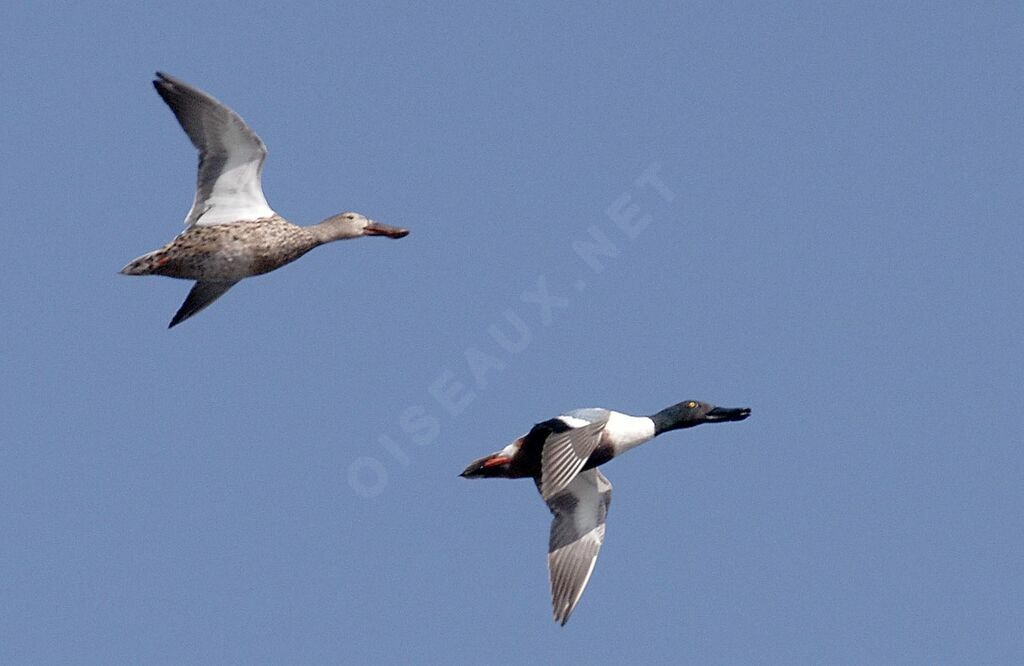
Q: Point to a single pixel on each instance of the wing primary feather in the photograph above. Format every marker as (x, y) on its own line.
(577, 532)
(231, 156)
(199, 297)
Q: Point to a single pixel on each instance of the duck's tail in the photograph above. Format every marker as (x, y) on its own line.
(147, 264)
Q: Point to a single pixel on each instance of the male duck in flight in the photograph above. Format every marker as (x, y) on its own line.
(562, 455)
(231, 232)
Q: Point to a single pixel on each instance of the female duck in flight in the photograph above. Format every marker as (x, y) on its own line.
(231, 232)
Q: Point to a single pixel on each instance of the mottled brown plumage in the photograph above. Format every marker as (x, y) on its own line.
(227, 251)
(231, 232)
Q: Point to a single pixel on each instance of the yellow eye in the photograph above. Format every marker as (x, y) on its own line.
(691, 404)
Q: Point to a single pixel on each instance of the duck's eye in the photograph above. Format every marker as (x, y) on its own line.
(691, 404)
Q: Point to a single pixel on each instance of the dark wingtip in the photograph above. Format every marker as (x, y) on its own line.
(180, 316)
(164, 84)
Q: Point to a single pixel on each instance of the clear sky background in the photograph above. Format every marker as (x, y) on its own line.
(835, 242)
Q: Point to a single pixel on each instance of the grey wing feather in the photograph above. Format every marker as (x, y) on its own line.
(577, 532)
(200, 296)
(228, 186)
(564, 454)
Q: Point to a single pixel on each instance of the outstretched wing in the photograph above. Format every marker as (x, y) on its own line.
(577, 533)
(228, 187)
(201, 295)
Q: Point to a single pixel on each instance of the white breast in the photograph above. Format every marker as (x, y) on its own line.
(624, 432)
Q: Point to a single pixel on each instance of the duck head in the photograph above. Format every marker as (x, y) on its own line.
(354, 225)
(691, 413)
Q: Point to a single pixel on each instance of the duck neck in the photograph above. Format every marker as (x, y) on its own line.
(331, 230)
(670, 418)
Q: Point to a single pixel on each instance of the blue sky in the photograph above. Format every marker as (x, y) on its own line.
(834, 240)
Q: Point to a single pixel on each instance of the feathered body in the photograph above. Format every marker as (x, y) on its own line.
(561, 455)
(231, 232)
(227, 251)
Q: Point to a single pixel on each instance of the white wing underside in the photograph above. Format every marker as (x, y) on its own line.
(577, 533)
(228, 186)
(233, 195)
